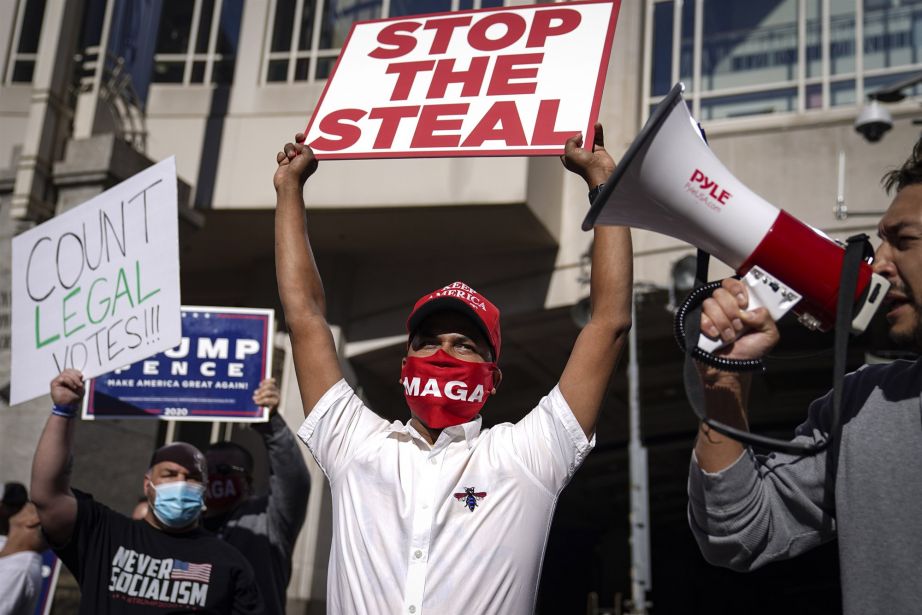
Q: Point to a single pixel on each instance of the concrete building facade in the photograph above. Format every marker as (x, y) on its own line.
(92, 91)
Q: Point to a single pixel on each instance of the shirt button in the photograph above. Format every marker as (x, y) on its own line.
(433, 461)
(417, 554)
(412, 609)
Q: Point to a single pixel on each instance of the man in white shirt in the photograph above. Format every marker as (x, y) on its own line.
(438, 515)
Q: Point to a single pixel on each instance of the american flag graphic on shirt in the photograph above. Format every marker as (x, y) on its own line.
(190, 572)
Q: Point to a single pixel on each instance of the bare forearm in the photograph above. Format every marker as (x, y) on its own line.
(51, 467)
(300, 287)
(611, 281)
(595, 354)
(725, 397)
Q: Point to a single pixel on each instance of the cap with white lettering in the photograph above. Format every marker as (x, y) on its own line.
(462, 298)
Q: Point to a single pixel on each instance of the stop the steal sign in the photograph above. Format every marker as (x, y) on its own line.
(493, 82)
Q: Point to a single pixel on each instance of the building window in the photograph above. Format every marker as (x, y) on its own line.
(779, 56)
(197, 41)
(305, 36)
(21, 65)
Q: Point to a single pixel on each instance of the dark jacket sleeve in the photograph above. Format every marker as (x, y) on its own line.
(247, 598)
(289, 483)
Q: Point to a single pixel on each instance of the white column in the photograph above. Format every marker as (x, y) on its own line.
(48, 111)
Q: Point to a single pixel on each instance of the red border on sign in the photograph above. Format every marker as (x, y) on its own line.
(477, 153)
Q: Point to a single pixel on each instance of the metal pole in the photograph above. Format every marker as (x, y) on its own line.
(641, 581)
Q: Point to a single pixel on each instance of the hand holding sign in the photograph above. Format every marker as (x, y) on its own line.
(595, 164)
(67, 388)
(296, 163)
(267, 395)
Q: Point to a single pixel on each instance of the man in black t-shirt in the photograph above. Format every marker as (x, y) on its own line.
(161, 564)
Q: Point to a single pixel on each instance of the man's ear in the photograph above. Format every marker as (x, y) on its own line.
(403, 363)
(147, 484)
(497, 378)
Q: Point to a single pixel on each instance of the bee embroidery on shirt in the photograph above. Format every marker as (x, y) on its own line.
(469, 497)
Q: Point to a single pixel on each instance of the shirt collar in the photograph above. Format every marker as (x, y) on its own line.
(466, 431)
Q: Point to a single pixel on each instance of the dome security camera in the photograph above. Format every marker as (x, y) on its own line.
(873, 121)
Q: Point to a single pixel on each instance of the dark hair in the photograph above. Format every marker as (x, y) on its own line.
(226, 445)
(908, 174)
(15, 497)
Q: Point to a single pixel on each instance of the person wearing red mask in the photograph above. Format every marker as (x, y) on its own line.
(262, 527)
(437, 515)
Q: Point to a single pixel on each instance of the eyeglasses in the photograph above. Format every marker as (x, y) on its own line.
(224, 468)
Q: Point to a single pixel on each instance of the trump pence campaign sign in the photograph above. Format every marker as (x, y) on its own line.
(210, 375)
(492, 82)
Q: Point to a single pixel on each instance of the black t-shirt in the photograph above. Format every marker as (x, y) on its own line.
(130, 567)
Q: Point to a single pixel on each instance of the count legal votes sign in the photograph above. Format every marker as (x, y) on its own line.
(491, 82)
(97, 286)
(209, 376)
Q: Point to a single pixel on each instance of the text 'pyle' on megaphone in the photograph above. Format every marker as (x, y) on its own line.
(670, 182)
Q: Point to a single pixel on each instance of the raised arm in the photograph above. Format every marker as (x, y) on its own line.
(300, 287)
(745, 509)
(289, 481)
(51, 467)
(599, 344)
(749, 335)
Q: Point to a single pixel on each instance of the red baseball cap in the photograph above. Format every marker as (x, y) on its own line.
(460, 297)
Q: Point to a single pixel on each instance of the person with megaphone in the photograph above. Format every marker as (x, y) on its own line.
(438, 515)
(865, 488)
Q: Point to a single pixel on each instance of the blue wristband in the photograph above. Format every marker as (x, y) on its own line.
(67, 412)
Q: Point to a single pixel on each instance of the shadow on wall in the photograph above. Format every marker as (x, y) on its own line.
(211, 148)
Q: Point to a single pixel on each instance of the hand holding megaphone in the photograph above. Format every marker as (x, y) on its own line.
(730, 321)
(670, 182)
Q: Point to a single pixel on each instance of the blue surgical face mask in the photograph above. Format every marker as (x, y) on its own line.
(179, 503)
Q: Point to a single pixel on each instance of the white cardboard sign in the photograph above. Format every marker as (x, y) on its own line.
(493, 82)
(97, 287)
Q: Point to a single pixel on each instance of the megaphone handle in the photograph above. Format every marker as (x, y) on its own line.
(766, 291)
(694, 387)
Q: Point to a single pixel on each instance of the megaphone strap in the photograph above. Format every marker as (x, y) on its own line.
(692, 306)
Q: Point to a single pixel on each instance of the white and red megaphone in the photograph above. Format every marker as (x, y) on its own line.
(670, 182)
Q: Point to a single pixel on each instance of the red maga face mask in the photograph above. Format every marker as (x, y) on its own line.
(444, 391)
(224, 491)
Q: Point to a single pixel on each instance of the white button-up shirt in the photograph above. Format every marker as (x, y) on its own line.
(458, 527)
